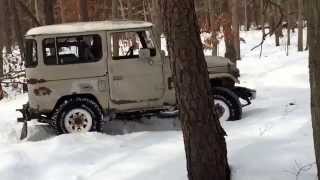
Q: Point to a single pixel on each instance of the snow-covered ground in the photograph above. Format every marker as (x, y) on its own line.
(273, 141)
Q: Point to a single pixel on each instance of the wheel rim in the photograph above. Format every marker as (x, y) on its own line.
(78, 121)
(225, 115)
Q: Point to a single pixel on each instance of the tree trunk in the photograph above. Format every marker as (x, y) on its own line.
(278, 30)
(289, 23)
(235, 27)
(300, 25)
(228, 33)
(157, 20)
(45, 11)
(84, 16)
(8, 28)
(213, 28)
(17, 27)
(313, 14)
(115, 15)
(2, 37)
(205, 145)
(246, 23)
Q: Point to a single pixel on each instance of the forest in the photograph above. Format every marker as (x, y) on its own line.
(155, 89)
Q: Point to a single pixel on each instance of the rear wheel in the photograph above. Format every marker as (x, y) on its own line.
(77, 115)
(227, 104)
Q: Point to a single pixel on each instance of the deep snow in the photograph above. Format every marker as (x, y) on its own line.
(273, 141)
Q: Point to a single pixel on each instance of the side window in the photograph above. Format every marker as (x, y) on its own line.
(31, 53)
(126, 45)
(72, 50)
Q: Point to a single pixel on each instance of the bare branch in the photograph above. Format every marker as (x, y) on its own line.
(272, 30)
(29, 12)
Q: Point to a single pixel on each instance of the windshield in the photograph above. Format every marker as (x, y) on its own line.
(31, 53)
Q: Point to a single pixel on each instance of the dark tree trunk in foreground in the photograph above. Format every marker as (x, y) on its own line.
(205, 145)
(313, 14)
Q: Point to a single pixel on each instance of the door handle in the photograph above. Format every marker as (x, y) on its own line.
(117, 78)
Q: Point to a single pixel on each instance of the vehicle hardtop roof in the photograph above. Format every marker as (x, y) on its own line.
(81, 27)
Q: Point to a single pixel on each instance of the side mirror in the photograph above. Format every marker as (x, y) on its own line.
(144, 53)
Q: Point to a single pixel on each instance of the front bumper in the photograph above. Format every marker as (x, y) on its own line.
(27, 115)
(246, 94)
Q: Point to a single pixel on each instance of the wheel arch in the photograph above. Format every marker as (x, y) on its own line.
(224, 80)
(67, 97)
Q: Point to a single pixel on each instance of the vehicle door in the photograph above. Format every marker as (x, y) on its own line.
(135, 70)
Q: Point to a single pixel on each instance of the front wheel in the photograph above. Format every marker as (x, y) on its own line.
(227, 104)
(77, 115)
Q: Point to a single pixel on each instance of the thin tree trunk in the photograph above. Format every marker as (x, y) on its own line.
(17, 27)
(313, 14)
(203, 135)
(214, 29)
(228, 33)
(300, 25)
(84, 16)
(115, 15)
(289, 23)
(235, 27)
(246, 24)
(8, 28)
(157, 20)
(2, 37)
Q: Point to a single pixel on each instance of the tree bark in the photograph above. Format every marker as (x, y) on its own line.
(84, 13)
(235, 27)
(313, 14)
(205, 145)
(300, 25)
(228, 33)
(289, 17)
(17, 27)
(115, 15)
(2, 37)
(213, 28)
(157, 20)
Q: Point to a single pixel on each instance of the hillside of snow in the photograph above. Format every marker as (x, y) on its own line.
(273, 141)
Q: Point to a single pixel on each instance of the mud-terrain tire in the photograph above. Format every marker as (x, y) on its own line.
(77, 113)
(229, 101)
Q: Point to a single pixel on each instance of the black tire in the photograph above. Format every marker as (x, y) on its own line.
(231, 100)
(85, 104)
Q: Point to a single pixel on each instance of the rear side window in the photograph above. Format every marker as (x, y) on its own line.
(31, 53)
(72, 50)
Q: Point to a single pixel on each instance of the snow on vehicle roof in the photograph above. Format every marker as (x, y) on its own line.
(81, 27)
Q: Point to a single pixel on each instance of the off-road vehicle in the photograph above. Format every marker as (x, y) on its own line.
(80, 73)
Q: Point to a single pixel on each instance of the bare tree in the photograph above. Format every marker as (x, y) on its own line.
(313, 14)
(115, 15)
(157, 20)
(17, 27)
(205, 145)
(300, 25)
(235, 27)
(84, 16)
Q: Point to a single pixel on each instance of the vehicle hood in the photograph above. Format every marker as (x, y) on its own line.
(217, 61)
(217, 64)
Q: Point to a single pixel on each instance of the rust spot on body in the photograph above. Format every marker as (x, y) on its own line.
(42, 91)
